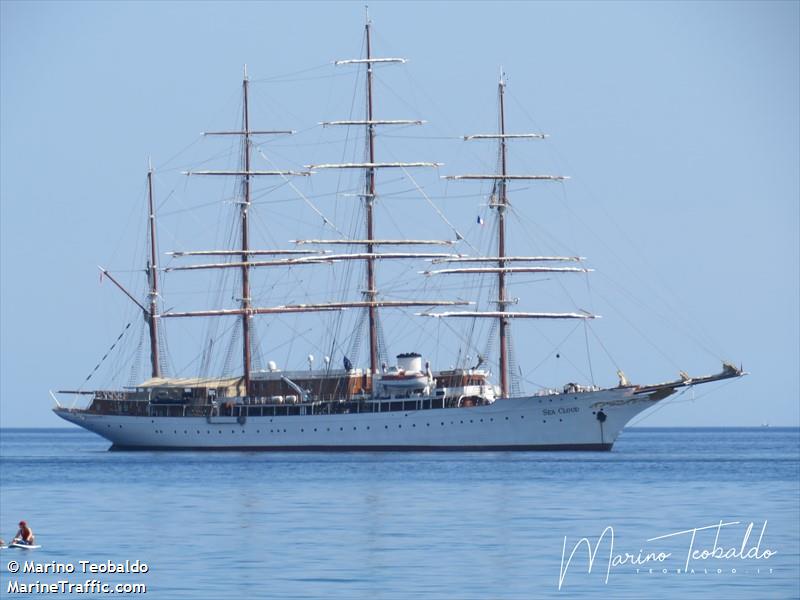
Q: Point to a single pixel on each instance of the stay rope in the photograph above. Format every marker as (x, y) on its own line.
(105, 356)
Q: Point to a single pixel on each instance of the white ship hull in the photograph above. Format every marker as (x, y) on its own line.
(553, 422)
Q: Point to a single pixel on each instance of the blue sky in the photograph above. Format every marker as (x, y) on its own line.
(677, 122)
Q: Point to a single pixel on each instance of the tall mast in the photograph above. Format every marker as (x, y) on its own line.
(502, 269)
(246, 172)
(369, 199)
(371, 168)
(245, 206)
(501, 246)
(152, 320)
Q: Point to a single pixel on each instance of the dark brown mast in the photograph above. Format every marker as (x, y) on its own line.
(371, 168)
(152, 273)
(500, 202)
(501, 247)
(245, 206)
(246, 173)
(369, 199)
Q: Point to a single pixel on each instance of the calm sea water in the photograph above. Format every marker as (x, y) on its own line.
(416, 525)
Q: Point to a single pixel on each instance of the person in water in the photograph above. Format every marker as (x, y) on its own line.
(24, 535)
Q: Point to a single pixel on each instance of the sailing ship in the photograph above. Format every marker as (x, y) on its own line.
(407, 406)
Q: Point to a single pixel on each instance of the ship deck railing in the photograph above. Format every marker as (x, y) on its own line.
(231, 407)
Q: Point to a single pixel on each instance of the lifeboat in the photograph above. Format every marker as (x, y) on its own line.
(407, 375)
(402, 380)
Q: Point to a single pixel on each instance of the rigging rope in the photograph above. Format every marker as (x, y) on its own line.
(383, 357)
(105, 356)
(588, 353)
(137, 361)
(355, 343)
(205, 359)
(290, 77)
(490, 340)
(226, 365)
(513, 367)
(602, 345)
(313, 207)
(674, 400)
(438, 211)
(556, 350)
